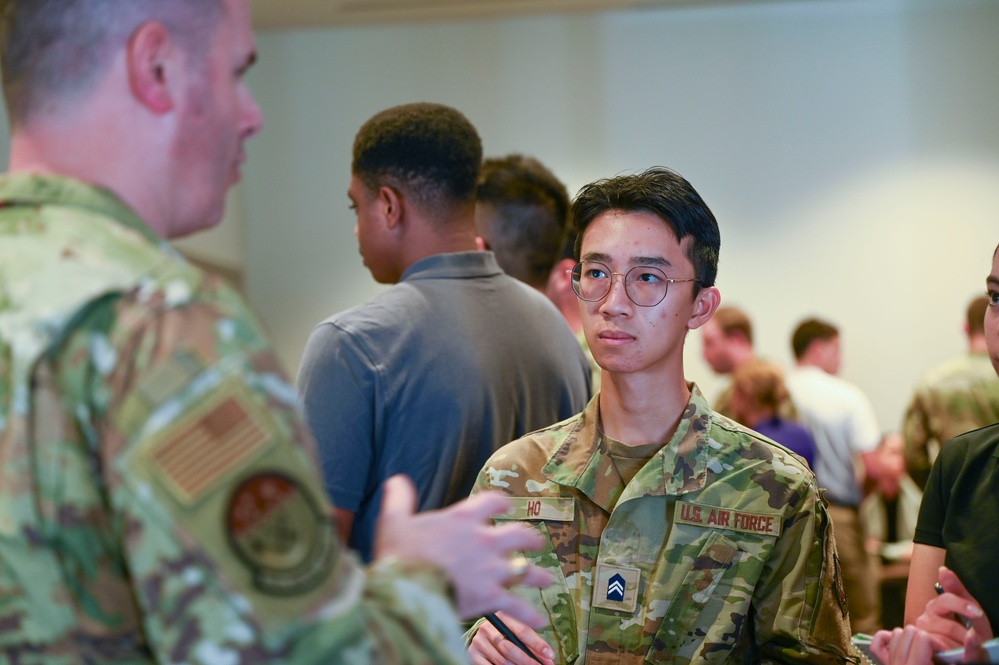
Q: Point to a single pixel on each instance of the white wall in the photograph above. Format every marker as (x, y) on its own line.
(850, 150)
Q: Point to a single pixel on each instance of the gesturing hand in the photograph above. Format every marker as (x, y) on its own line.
(461, 540)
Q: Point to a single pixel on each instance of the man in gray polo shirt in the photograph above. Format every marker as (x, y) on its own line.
(453, 361)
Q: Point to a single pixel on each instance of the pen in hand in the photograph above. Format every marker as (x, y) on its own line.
(508, 634)
(960, 617)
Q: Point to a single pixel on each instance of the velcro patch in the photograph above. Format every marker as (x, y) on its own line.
(542, 508)
(221, 437)
(276, 529)
(616, 587)
(726, 518)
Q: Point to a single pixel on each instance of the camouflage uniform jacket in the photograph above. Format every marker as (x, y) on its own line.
(718, 551)
(158, 494)
(957, 397)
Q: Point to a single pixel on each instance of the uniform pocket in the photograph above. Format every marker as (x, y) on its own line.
(557, 599)
(711, 565)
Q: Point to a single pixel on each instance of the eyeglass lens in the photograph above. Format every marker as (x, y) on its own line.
(645, 285)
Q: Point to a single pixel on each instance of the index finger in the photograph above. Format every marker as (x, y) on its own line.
(484, 505)
(951, 583)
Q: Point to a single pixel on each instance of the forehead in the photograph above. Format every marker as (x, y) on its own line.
(235, 29)
(357, 190)
(625, 234)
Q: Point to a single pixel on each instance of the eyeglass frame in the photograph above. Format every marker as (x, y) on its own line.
(624, 279)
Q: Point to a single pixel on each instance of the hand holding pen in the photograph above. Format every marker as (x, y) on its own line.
(960, 617)
(953, 612)
(503, 640)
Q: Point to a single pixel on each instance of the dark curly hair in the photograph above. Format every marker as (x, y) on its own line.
(429, 152)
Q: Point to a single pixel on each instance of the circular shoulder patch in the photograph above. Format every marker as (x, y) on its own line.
(276, 529)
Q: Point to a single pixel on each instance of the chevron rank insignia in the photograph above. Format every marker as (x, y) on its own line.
(616, 587)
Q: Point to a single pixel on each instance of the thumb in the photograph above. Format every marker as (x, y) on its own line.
(398, 499)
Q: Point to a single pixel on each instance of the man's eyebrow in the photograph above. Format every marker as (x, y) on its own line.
(655, 261)
(596, 256)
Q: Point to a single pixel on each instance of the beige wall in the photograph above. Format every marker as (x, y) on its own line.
(850, 149)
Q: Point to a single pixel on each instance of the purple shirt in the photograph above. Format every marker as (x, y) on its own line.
(790, 435)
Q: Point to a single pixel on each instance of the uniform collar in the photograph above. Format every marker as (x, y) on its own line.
(679, 467)
(37, 189)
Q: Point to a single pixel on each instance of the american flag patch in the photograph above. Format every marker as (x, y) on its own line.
(198, 453)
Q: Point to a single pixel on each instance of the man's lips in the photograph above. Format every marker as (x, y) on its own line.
(615, 336)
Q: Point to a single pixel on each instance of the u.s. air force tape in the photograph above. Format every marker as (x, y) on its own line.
(726, 518)
(547, 508)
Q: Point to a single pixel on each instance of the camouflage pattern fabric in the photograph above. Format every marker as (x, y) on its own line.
(957, 397)
(718, 551)
(158, 495)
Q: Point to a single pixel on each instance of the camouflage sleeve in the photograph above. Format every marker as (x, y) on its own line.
(799, 603)
(916, 435)
(216, 507)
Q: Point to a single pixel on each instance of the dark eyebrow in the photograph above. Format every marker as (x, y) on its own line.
(654, 261)
(992, 279)
(595, 256)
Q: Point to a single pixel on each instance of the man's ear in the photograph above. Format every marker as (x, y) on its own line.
(706, 302)
(149, 58)
(558, 279)
(390, 205)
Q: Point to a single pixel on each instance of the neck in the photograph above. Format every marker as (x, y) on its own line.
(427, 237)
(636, 410)
(93, 149)
(976, 344)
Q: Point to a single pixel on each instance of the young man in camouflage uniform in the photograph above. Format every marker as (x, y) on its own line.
(158, 494)
(675, 535)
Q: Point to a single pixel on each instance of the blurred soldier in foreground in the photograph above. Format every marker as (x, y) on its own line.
(159, 500)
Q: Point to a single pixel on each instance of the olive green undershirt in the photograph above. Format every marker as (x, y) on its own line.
(629, 459)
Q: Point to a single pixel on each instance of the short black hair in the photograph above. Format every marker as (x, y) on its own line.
(667, 195)
(531, 209)
(52, 48)
(807, 332)
(429, 152)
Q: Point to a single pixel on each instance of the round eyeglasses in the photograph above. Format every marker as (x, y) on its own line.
(644, 285)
